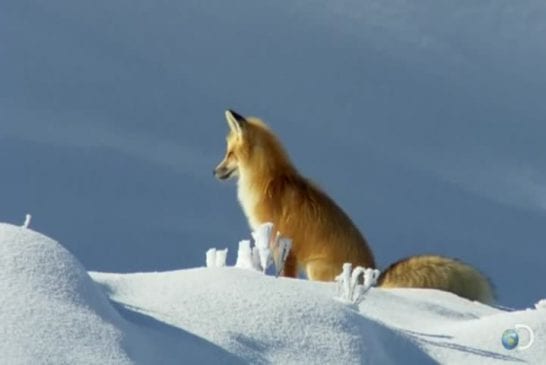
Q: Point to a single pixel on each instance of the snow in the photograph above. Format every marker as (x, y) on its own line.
(245, 258)
(262, 240)
(216, 258)
(53, 311)
(354, 284)
(260, 318)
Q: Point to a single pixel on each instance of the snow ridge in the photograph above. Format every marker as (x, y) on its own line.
(53, 311)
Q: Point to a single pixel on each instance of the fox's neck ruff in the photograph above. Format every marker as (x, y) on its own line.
(255, 179)
(249, 196)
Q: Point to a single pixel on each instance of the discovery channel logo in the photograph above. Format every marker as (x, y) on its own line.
(511, 337)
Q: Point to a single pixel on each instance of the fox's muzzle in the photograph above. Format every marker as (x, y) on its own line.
(223, 173)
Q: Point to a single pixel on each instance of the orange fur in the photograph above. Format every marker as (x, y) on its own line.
(270, 189)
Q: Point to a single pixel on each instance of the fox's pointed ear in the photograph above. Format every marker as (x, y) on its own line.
(236, 122)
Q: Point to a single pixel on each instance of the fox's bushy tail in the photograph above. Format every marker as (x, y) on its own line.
(437, 272)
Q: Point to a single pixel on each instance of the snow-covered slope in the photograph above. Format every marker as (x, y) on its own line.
(262, 319)
(282, 321)
(53, 312)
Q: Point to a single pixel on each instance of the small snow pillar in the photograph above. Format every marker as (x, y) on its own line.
(221, 256)
(248, 256)
(350, 290)
(345, 280)
(244, 255)
(262, 240)
(28, 218)
(357, 272)
(256, 259)
(211, 257)
(265, 258)
(281, 250)
(370, 278)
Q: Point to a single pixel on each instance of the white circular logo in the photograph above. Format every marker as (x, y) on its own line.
(530, 333)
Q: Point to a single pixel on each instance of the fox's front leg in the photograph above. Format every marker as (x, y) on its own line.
(290, 266)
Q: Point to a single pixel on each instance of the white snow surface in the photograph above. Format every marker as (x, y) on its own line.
(54, 312)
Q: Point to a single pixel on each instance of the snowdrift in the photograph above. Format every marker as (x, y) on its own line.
(262, 319)
(55, 312)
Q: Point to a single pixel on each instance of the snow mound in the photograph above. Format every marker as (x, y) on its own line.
(52, 312)
(289, 321)
(262, 319)
(454, 330)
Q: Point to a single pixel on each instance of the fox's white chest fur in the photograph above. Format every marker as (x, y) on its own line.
(248, 198)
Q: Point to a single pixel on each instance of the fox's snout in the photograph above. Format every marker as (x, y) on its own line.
(225, 170)
(222, 172)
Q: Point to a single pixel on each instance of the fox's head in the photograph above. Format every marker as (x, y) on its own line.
(236, 149)
(250, 145)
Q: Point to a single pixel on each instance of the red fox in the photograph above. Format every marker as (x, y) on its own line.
(270, 189)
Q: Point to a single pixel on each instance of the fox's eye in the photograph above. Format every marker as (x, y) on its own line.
(230, 154)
